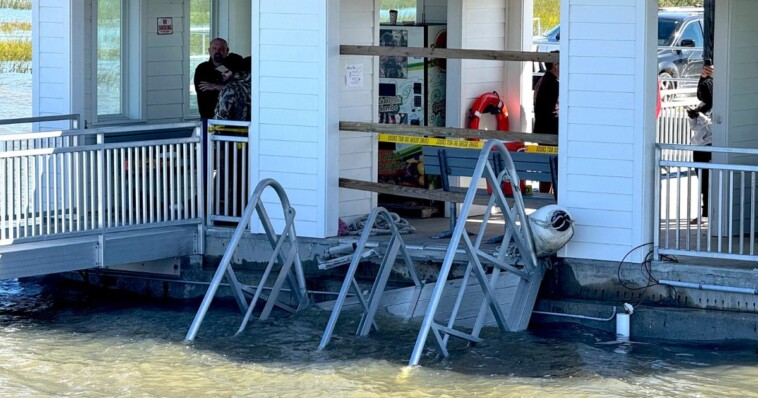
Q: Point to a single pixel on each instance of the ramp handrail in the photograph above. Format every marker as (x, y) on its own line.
(74, 182)
(517, 250)
(284, 242)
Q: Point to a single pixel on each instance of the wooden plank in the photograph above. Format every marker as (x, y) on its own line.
(493, 55)
(411, 192)
(533, 201)
(449, 132)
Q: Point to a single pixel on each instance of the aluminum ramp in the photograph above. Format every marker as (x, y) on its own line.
(516, 257)
(371, 303)
(285, 254)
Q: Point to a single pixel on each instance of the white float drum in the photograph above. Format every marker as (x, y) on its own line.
(552, 227)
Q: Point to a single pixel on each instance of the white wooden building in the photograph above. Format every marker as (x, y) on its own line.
(607, 122)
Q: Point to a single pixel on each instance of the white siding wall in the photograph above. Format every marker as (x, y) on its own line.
(358, 20)
(606, 125)
(165, 69)
(54, 59)
(295, 132)
(483, 29)
(738, 65)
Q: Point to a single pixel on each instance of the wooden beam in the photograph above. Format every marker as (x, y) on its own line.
(448, 132)
(411, 192)
(493, 55)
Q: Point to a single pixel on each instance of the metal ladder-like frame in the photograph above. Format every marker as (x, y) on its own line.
(371, 305)
(285, 252)
(516, 255)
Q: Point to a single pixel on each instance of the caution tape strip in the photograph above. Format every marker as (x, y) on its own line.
(455, 143)
(227, 129)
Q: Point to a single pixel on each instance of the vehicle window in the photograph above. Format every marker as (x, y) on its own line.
(666, 29)
(694, 32)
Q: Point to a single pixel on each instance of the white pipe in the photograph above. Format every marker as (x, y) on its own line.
(703, 286)
(590, 318)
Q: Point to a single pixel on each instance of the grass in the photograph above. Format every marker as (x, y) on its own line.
(15, 26)
(16, 50)
(16, 4)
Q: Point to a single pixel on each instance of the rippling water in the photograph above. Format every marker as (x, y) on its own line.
(61, 341)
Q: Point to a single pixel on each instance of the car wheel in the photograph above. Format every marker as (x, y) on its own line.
(666, 85)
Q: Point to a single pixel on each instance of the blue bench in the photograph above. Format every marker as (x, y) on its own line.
(458, 162)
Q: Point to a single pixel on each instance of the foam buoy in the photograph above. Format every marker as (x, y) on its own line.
(552, 227)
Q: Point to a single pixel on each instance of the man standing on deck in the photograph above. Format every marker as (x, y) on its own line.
(208, 81)
(208, 84)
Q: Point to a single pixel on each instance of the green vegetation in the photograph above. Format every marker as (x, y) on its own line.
(548, 11)
(15, 26)
(15, 56)
(16, 4)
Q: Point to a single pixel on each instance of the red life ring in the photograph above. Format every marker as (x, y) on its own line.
(492, 104)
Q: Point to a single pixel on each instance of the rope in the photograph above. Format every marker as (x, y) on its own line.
(381, 227)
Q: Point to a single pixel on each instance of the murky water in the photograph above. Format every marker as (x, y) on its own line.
(63, 342)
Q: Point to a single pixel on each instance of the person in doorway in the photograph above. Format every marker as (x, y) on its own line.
(705, 95)
(234, 98)
(208, 81)
(546, 106)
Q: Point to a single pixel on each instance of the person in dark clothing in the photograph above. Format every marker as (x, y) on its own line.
(234, 98)
(208, 81)
(546, 107)
(705, 95)
(546, 101)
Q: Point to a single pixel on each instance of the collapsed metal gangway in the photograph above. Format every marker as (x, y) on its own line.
(371, 303)
(285, 254)
(516, 256)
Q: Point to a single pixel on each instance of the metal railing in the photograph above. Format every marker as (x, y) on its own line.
(228, 172)
(729, 229)
(84, 181)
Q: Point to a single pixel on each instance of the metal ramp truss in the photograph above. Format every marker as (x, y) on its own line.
(517, 257)
(285, 254)
(370, 304)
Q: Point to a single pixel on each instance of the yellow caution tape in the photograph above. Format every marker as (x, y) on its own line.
(455, 143)
(227, 129)
(446, 142)
(542, 149)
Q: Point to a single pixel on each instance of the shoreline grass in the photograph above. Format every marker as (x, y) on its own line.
(16, 4)
(15, 26)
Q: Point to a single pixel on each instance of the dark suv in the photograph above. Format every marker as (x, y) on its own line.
(680, 44)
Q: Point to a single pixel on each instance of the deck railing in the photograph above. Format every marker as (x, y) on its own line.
(729, 231)
(228, 173)
(84, 181)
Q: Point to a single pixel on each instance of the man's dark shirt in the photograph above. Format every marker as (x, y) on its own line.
(207, 100)
(546, 99)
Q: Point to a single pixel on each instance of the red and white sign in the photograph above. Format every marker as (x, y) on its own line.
(165, 26)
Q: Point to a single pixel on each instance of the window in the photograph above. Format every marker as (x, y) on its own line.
(110, 68)
(694, 32)
(116, 61)
(199, 39)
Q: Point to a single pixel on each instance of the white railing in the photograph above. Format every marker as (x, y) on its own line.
(84, 181)
(729, 231)
(228, 172)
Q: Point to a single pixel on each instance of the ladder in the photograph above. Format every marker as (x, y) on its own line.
(516, 256)
(285, 253)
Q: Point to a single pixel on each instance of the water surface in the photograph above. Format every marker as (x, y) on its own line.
(64, 342)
